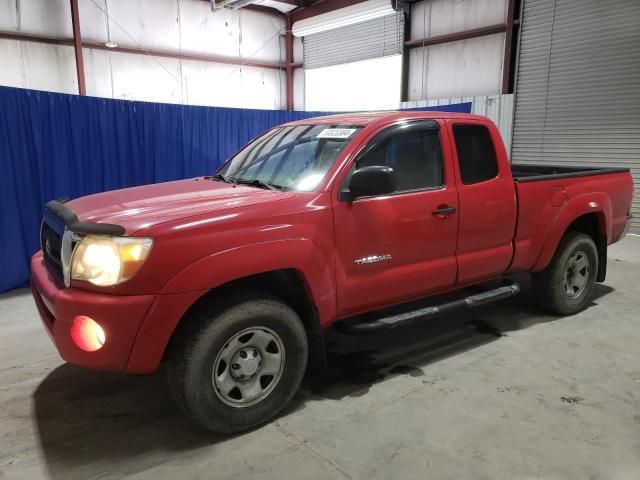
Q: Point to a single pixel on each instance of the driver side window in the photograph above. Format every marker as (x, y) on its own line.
(414, 156)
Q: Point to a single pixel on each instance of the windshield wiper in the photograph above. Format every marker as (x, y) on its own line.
(219, 176)
(257, 183)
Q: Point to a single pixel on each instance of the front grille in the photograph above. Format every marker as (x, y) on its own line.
(51, 244)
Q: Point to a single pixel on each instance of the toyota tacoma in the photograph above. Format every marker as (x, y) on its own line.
(231, 279)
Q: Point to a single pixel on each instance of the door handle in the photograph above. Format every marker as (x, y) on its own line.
(443, 211)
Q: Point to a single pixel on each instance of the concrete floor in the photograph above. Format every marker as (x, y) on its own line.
(504, 393)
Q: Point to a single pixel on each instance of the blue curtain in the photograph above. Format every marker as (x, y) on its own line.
(56, 145)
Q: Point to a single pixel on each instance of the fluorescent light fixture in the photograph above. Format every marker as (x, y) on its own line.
(235, 4)
(342, 17)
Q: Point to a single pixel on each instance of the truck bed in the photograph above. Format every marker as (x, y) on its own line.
(533, 173)
(549, 197)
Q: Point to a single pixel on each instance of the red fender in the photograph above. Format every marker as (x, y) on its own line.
(209, 272)
(299, 254)
(598, 203)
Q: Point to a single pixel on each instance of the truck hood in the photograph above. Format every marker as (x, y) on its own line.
(142, 207)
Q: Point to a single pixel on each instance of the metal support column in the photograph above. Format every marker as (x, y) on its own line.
(77, 45)
(289, 61)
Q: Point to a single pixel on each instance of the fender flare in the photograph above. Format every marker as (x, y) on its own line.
(598, 203)
(194, 281)
(300, 254)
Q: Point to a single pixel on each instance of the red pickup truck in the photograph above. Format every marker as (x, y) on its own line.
(231, 279)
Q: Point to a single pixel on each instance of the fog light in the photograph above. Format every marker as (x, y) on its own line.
(87, 334)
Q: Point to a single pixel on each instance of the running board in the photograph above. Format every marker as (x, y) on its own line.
(427, 313)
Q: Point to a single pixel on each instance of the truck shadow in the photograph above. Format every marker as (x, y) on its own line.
(357, 363)
(92, 423)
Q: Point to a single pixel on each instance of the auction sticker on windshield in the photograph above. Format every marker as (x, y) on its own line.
(340, 133)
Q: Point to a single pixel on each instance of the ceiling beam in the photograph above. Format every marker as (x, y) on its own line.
(263, 9)
(270, 10)
(457, 36)
(26, 37)
(323, 6)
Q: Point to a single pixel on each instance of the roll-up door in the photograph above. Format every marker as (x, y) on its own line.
(578, 86)
(375, 38)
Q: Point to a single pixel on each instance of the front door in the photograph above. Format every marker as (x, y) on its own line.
(398, 246)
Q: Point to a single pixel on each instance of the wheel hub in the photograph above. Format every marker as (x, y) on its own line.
(248, 367)
(245, 363)
(576, 274)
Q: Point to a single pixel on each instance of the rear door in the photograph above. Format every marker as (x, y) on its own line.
(396, 247)
(487, 213)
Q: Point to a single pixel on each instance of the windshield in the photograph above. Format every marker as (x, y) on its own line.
(290, 158)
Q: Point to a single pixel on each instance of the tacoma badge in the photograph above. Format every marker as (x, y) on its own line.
(372, 259)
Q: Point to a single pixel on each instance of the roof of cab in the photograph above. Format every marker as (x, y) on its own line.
(366, 118)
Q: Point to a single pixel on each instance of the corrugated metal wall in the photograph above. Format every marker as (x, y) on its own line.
(498, 108)
(578, 86)
(186, 26)
(460, 68)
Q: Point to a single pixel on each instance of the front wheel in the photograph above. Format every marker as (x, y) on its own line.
(565, 286)
(240, 363)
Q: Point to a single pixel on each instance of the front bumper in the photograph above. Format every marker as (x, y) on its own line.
(119, 315)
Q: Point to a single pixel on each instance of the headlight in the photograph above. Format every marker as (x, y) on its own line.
(109, 260)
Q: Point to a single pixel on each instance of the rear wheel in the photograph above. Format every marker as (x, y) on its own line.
(240, 363)
(566, 285)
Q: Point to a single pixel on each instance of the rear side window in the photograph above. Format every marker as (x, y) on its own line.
(476, 154)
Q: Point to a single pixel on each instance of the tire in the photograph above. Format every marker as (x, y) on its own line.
(257, 333)
(561, 295)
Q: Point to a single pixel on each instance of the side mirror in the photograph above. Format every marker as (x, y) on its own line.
(375, 180)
